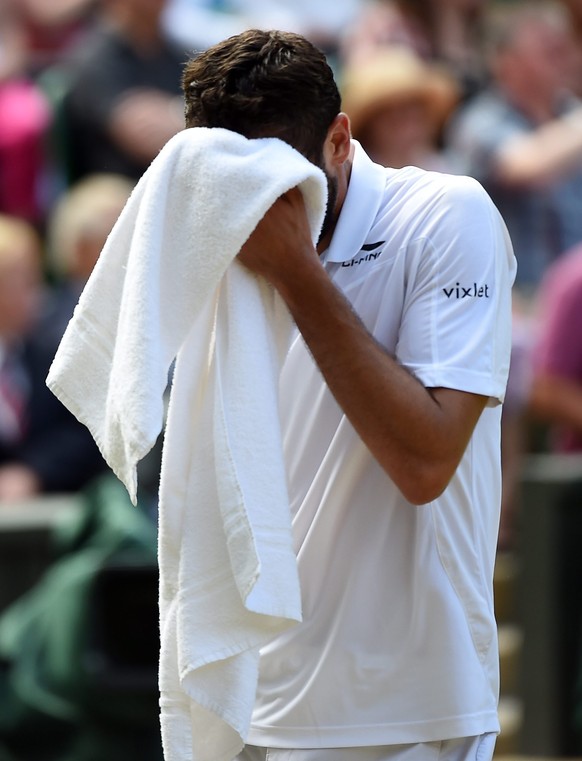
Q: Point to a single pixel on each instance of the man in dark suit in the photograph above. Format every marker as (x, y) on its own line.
(43, 448)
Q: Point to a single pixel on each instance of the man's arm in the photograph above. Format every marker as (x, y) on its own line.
(542, 156)
(418, 435)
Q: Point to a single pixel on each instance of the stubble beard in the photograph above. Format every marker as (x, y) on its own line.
(329, 218)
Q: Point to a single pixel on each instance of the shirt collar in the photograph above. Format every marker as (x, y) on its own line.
(360, 207)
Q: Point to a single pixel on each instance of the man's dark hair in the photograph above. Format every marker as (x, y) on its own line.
(264, 83)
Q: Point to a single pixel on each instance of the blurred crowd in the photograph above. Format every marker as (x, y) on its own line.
(90, 91)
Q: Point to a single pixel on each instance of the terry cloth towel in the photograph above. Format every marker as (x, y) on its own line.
(167, 286)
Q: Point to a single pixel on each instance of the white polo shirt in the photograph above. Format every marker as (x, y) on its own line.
(398, 643)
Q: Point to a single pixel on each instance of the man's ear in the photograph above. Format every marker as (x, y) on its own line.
(337, 142)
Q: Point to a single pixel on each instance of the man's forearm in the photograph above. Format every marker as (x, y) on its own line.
(545, 155)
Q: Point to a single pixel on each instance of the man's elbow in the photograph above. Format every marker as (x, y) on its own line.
(425, 484)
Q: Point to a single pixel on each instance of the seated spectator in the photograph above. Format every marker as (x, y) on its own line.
(575, 10)
(24, 122)
(522, 137)
(52, 29)
(446, 31)
(398, 105)
(322, 22)
(556, 393)
(42, 446)
(124, 98)
(198, 24)
(77, 229)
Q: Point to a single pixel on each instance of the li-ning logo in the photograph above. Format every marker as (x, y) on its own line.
(371, 247)
(474, 291)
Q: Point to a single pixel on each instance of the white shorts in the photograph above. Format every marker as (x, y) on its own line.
(478, 748)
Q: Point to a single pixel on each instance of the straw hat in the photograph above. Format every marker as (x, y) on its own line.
(392, 75)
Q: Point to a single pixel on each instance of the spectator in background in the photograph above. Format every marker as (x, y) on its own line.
(53, 28)
(24, 122)
(556, 393)
(123, 101)
(575, 10)
(322, 22)
(447, 31)
(77, 229)
(198, 24)
(398, 105)
(522, 137)
(42, 446)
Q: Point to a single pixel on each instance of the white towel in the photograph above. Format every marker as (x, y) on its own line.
(167, 286)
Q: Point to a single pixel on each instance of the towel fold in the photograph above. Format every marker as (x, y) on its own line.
(167, 287)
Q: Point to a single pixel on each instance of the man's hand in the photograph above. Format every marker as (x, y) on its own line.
(281, 242)
(17, 482)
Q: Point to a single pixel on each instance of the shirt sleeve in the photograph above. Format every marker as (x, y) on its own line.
(456, 325)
